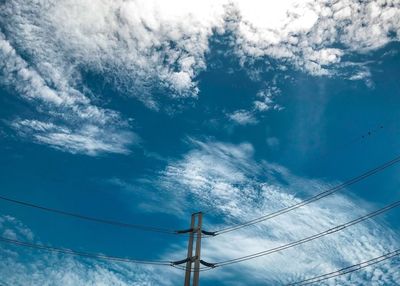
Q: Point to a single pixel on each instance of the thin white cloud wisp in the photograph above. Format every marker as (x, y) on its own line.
(146, 48)
(224, 178)
(46, 269)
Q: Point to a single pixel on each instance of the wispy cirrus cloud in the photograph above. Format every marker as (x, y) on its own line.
(51, 269)
(225, 179)
(243, 117)
(144, 42)
(264, 101)
(144, 47)
(14, 229)
(133, 44)
(314, 35)
(73, 123)
(89, 139)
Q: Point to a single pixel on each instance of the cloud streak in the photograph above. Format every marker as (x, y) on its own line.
(74, 124)
(52, 269)
(89, 139)
(152, 41)
(225, 179)
(147, 48)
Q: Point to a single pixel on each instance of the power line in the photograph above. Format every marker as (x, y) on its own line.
(348, 269)
(311, 199)
(310, 238)
(83, 254)
(218, 232)
(89, 218)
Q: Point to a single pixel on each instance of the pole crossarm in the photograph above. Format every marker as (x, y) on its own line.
(211, 265)
(189, 230)
(181, 261)
(211, 233)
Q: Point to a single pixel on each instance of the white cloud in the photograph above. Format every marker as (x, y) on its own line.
(26, 267)
(137, 44)
(243, 117)
(87, 139)
(133, 43)
(12, 228)
(93, 130)
(225, 179)
(140, 46)
(45, 269)
(266, 96)
(15, 69)
(265, 101)
(306, 32)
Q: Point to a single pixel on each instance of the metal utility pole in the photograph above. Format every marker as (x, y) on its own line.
(190, 258)
(189, 253)
(196, 274)
(195, 231)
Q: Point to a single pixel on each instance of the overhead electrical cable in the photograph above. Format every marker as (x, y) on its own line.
(175, 264)
(90, 218)
(347, 270)
(310, 238)
(311, 199)
(83, 254)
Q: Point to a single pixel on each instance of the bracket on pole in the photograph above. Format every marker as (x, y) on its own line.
(184, 231)
(211, 233)
(180, 261)
(208, 264)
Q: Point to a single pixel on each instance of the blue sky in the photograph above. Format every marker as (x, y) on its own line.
(147, 111)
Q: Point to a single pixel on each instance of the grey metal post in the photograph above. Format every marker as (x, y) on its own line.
(189, 253)
(196, 274)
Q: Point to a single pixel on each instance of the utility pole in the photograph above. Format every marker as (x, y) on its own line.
(195, 231)
(196, 274)
(189, 253)
(190, 258)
